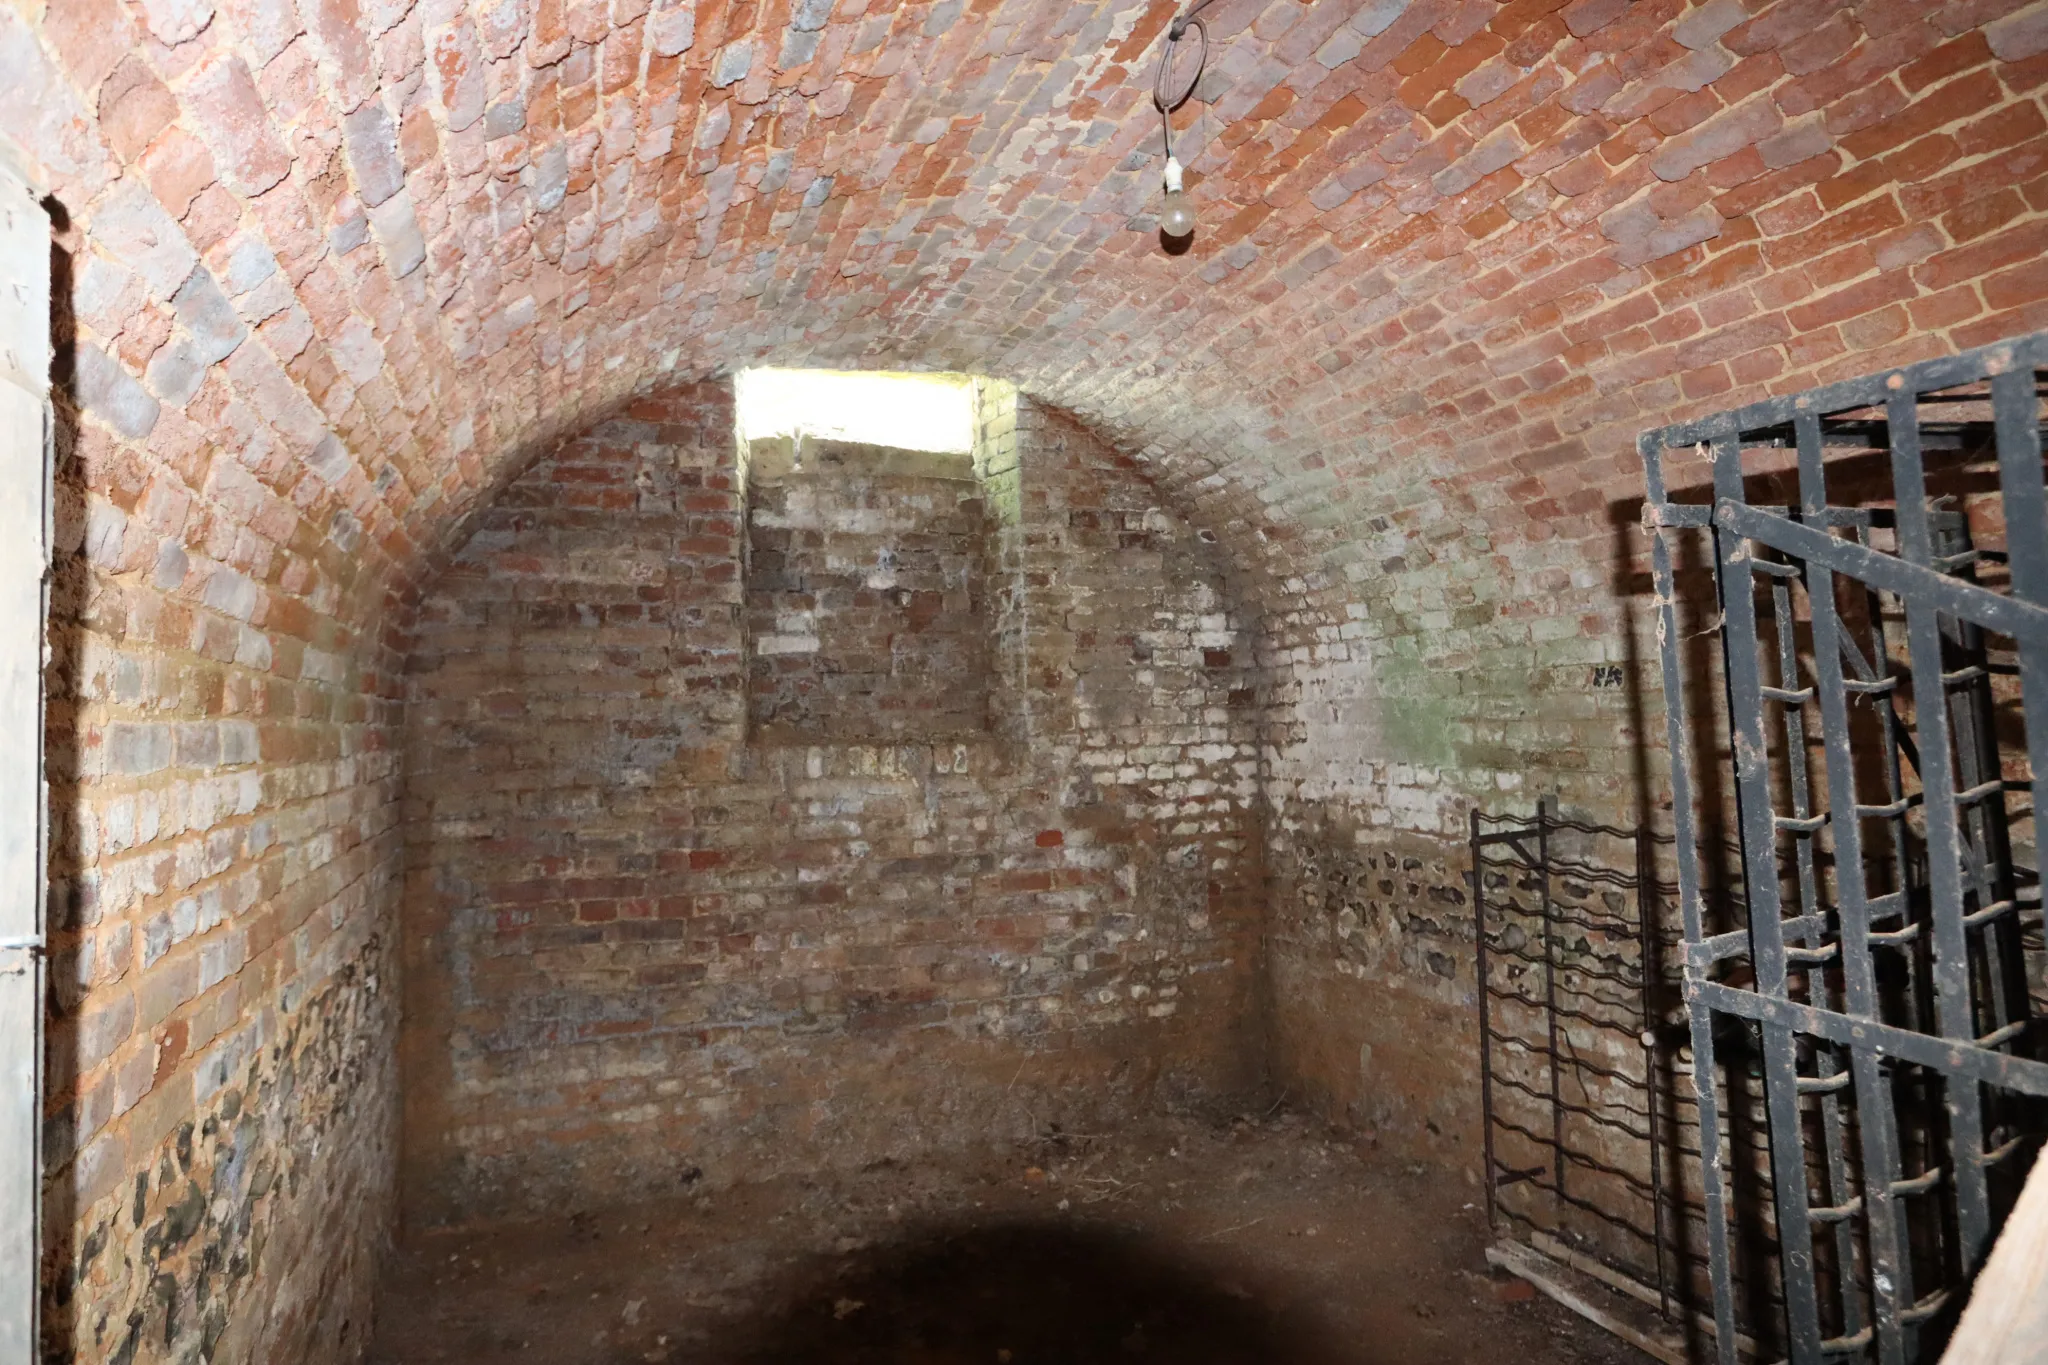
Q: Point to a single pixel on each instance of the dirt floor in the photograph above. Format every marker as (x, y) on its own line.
(1192, 1242)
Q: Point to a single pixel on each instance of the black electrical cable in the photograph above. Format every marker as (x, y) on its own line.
(1162, 94)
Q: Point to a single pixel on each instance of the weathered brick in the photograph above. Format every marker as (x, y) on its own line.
(111, 394)
(92, 38)
(339, 26)
(373, 151)
(598, 541)
(1585, 17)
(1722, 135)
(233, 119)
(1704, 26)
(267, 26)
(172, 22)
(134, 107)
(2016, 37)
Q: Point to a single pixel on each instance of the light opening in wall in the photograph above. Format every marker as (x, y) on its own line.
(882, 408)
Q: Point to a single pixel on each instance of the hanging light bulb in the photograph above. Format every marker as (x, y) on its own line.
(1171, 87)
(1176, 212)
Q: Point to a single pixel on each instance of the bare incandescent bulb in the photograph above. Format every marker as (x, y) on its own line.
(1176, 214)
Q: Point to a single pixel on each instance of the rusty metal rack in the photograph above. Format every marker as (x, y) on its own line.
(1570, 993)
(1879, 552)
(1590, 1144)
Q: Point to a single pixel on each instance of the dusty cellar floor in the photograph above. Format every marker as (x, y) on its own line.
(1254, 1241)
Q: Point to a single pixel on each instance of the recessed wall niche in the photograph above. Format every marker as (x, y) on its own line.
(872, 553)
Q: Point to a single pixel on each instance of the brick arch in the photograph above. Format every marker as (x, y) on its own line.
(1429, 231)
(1441, 243)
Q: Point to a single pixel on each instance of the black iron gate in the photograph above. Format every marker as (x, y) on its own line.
(1880, 565)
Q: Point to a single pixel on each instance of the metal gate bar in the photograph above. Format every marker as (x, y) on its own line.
(1891, 1262)
(1860, 1272)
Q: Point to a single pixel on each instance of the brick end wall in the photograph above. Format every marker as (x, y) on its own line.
(644, 949)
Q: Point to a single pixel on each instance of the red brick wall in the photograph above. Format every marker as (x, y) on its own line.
(643, 947)
(335, 269)
(224, 860)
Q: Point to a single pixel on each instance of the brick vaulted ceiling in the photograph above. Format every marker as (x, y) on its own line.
(338, 266)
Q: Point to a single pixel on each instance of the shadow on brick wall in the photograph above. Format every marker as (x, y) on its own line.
(64, 984)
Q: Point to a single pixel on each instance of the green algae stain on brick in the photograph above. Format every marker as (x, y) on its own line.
(1419, 707)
